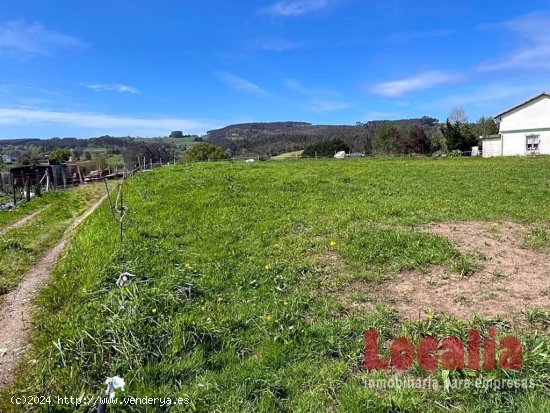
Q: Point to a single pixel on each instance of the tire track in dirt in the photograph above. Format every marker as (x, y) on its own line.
(16, 308)
(21, 222)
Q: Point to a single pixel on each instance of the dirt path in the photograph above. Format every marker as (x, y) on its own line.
(21, 222)
(16, 308)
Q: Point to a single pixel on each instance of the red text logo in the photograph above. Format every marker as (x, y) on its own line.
(451, 352)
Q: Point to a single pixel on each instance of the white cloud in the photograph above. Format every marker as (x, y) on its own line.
(21, 40)
(418, 82)
(295, 8)
(240, 84)
(534, 53)
(113, 88)
(101, 123)
(296, 86)
(317, 99)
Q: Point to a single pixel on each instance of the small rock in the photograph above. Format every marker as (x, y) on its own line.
(124, 279)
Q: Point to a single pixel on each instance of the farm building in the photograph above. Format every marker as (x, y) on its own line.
(523, 129)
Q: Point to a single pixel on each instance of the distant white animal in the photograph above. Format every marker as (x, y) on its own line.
(249, 160)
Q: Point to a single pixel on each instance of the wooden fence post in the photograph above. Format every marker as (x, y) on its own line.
(13, 188)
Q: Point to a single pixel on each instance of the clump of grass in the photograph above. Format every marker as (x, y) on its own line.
(538, 238)
(466, 265)
(538, 316)
(396, 249)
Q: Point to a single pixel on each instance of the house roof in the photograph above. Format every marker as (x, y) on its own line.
(522, 104)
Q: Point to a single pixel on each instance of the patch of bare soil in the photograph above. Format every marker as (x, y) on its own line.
(510, 279)
(20, 223)
(16, 308)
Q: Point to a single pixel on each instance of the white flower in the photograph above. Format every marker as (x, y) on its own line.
(114, 383)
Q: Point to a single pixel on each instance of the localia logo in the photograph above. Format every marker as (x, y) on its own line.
(452, 352)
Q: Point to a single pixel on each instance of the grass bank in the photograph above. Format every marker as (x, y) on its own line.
(21, 247)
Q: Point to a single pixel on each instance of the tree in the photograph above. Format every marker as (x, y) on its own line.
(204, 152)
(458, 136)
(176, 134)
(415, 140)
(36, 152)
(77, 154)
(458, 114)
(325, 149)
(387, 140)
(486, 127)
(87, 155)
(60, 154)
(134, 153)
(100, 162)
(24, 159)
(438, 141)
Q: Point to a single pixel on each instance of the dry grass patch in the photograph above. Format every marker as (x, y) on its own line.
(509, 280)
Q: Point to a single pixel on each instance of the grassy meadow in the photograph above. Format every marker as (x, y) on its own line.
(21, 247)
(237, 265)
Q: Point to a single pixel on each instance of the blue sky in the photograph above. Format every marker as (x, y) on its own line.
(141, 67)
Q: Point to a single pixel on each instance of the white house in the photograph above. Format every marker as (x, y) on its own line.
(523, 129)
(8, 159)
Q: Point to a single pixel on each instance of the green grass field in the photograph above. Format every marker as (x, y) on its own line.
(232, 303)
(288, 156)
(21, 247)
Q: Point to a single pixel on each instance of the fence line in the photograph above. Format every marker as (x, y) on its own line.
(299, 158)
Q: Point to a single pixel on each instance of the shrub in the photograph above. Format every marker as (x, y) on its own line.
(325, 149)
(204, 152)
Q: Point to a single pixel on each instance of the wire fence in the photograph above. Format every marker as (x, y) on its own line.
(346, 156)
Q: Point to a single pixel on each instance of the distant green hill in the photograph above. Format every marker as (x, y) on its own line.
(274, 138)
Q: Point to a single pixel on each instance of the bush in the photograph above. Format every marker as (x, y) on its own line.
(60, 154)
(325, 149)
(387, 140)
(204, 152)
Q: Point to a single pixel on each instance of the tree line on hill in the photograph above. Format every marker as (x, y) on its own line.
(32, 150)
(421, 136)
(400, 137)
